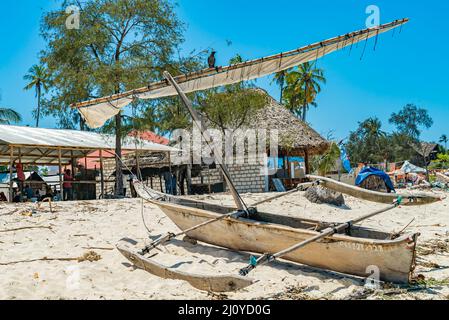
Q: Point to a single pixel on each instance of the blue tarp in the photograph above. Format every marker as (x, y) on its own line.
(345, 159)
(369, 171)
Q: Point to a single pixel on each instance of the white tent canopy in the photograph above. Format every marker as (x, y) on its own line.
(411, 168)
(97, 112)
(42, 146)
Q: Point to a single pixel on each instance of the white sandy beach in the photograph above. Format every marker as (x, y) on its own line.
(76, 228)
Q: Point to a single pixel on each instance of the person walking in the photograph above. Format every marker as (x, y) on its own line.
(67, 186)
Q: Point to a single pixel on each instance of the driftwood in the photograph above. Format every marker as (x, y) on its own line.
(89, 256)
(35, 260)
(25, 228)
(98, 248)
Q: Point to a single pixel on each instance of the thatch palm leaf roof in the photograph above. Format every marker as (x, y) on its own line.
(294, 134)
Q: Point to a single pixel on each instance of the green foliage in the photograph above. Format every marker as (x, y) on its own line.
(410, 119)
(369, 143)
(442, 162)
(121, 45)
(303, 86)
(233, 107)
(8, 116)
(325, 163)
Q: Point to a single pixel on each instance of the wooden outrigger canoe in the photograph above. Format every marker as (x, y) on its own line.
(410, 199)
(353, 253)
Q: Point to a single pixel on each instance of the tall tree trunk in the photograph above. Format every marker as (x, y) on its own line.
(304, 108)
(118, 150)
(38, 105)
(282, 92)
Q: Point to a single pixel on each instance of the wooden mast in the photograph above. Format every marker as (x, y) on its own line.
(218, 157)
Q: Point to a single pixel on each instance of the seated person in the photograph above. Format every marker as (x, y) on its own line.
(28, 192)
(17, 196)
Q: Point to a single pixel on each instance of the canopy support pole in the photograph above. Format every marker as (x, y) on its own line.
(11, 156)
(60, 174)
(102, 173)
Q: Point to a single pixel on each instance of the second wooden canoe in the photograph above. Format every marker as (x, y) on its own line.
(409, 199)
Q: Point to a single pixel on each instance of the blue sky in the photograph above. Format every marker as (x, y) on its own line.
(411, 67)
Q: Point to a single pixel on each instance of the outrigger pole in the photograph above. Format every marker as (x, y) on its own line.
(241, 206)
(267, 258)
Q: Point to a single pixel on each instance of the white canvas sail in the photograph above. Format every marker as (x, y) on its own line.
(97, 112)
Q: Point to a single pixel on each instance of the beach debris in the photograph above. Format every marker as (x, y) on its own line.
(320, 195)
(90, 256)
(434, 246)
(292, 293)
(26, 228)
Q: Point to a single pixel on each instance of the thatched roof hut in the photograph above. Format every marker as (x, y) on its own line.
(295, 136)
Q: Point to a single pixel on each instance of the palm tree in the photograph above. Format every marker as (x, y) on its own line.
(444, 139)
(303, 86)
(39, 79)
(279, 79)
(9, 115)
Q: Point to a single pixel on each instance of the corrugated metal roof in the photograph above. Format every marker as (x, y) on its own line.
(26, 136)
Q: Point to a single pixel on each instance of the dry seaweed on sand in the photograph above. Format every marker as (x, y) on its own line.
(434, 246)
(291, 293)
(90, 256)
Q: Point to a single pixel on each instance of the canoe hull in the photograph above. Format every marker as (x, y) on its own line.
(414, 199)
(394, 259)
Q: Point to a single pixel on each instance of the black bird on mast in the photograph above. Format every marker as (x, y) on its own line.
(211, 60)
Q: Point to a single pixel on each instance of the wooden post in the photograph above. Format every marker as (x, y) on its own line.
(20, 184)
(189, 179)
(102, 173)
(306, 160)
(60, 174)
(138, 173)
(11, 162)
